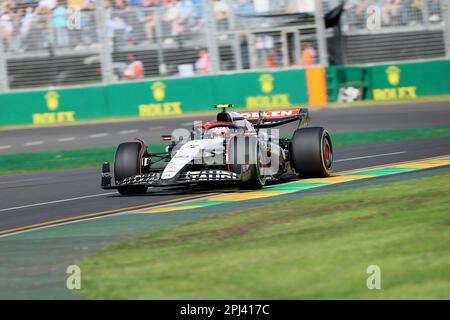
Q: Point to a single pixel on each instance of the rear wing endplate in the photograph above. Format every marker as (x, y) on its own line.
(274, 118)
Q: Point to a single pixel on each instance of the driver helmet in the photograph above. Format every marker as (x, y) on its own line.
(218, 132)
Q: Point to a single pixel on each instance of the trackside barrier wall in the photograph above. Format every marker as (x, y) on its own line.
(392, 81)
(253, 91)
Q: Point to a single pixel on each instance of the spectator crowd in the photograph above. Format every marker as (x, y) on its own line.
(393, 12)
(30, 24)
(33, 25)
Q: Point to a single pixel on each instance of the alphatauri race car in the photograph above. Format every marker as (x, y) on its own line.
(242, 149)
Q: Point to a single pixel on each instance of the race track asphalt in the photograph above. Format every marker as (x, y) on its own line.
(30, 199)
(335, 119)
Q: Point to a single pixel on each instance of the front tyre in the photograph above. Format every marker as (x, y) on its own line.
(312, 152)
(127, 163)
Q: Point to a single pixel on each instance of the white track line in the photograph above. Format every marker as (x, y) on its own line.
(121, 213)
(33, 143)
(24, 180)
(371, 156)
(56, 201)
(66, 139)
(5, 147)
(158, 128)
(128, 131)
(168, 204)
(98, 135)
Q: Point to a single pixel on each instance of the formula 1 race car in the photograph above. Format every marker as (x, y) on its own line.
(242, 149)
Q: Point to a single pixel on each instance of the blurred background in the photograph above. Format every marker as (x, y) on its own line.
(71, 42)
(79, 77)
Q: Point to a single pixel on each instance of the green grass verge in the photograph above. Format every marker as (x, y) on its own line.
(351, 138)
(317, 247)
(85, 158)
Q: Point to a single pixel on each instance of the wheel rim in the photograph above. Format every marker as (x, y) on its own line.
(260, 165)
(327, 153)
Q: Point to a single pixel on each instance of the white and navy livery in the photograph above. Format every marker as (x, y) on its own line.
(233, 149)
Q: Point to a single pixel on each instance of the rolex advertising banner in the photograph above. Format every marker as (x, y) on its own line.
(198, 94)
(390, 82)
(251, 91)
(410, 80)
(52, 106)
(159, 98)
(258, 91)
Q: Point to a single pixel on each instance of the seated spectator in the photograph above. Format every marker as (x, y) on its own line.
(273, 58)
(198, 15)
(88, 23)
(186, 13)
(134, 69)
(6, 26)
(245, 8)
(148, 18)
(390, 10)
(301, 6)
(60, 25)
(308, 55)
(409, 12)
(151, 3)
(90, 5)
(262, 6)
(137, 3)
(124, 11)
(355, 14)
(203, 63)
(45, 7)
(24, 24)
(79, 4)
(172, 17)
(115, 22)
(221, 12)
(132, 41)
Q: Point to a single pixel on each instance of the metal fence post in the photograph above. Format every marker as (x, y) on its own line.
(320, 32)
(211, 35)
(425, 15)
(445, 8)
(159, 41)
(105, 45)
(235, 44)
(3, 69)
(251, 50)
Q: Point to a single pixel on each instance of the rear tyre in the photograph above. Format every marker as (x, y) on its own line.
(312, 152)
(127, 163)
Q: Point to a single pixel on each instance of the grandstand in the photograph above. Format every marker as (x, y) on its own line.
(409, 30)
(71, 42)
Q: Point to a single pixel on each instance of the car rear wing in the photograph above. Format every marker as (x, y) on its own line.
(275, 118)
